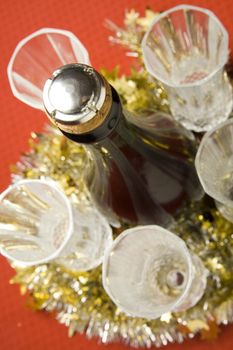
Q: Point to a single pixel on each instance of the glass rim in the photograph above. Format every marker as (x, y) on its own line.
(107, 254)
(164, 14)
(54, 255)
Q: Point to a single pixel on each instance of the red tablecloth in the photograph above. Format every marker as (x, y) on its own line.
(20, 327)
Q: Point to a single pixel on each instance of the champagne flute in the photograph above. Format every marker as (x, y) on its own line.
(36, 57)
(149, 271)
(186, 49)
(214, 164)
(38, 224)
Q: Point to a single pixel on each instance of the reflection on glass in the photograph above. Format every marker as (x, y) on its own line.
(92, 235)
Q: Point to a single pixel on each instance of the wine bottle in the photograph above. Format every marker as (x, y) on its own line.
(130, 177)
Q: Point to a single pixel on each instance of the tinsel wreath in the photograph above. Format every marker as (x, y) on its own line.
(78, 299)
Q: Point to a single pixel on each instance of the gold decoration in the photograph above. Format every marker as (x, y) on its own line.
(134, 96)
(50, 157)
(197, 325)
(79, 299)
(134, 28)
(211, 332)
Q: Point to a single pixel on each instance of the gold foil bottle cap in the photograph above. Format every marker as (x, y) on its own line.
(77, 98)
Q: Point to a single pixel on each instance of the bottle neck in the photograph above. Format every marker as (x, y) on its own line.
(105, 129)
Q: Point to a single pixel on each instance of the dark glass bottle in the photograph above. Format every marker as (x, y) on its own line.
(133, 175)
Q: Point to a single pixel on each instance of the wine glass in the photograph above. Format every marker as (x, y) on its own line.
(38, 224)
(36, 57)
(214, 164)
(186, 49)
(149, 271)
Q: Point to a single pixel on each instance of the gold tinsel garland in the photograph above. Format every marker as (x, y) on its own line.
(79, 299)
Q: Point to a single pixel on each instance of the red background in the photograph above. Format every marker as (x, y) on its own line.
(20, 327)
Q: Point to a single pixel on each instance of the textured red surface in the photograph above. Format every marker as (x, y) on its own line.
(21, 328)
